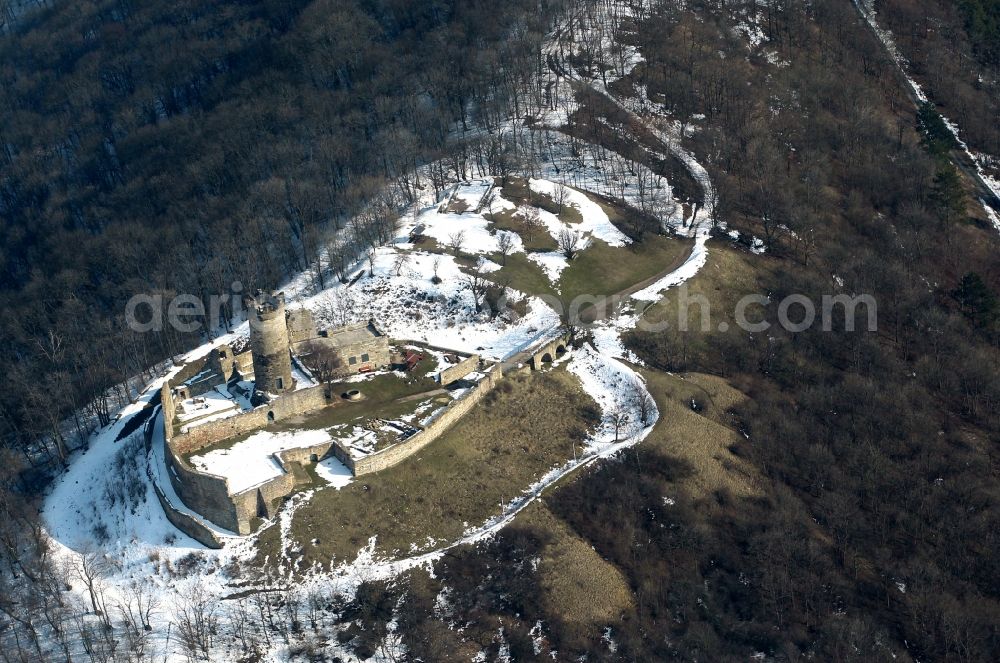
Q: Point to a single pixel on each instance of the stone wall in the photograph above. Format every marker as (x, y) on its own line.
(459, 370)
(169, 409)
(208, 494)
(301, 326)
(287, 405)
(455, 411)
(203, 493)
(185, 523)
(554, 349)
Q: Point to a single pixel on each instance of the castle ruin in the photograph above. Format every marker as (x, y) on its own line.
(259, 380)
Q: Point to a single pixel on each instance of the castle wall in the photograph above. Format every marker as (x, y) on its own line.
(301, 327)
(455, 411)
(185, 523)
(459, 370)
(287, 405)
(169, 409)
(206, 494)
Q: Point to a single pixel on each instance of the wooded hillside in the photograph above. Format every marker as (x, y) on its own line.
(178, 147)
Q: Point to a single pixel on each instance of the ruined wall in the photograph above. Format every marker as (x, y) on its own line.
(206, 494)
(267, 495)
(169, 409)
(287, 405)
(301, 326)
(442, 422)
(460, 370)
(185, 523)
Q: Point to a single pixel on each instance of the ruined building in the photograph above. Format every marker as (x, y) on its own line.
(269, 347)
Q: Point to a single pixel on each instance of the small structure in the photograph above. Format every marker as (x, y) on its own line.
(362, 347)
(412, 359)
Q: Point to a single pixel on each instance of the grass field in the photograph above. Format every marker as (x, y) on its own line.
(726, 277)
(703, 437)
(577, 584)
(519, 432)
(600, 270)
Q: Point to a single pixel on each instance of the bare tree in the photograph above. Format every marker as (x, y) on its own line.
(478, 284)
(455, 241)
(570, 242)
(323, 360)
(505, 245)
(643, 403)
(560, 196)
(135, 610)
(197, 622)
(337, 308)
(619, 416)
(339, 257)
(91, 567)
(401, 261)
(531, 221)
(436, 265)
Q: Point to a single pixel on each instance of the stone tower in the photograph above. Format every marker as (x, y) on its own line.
(272, 362)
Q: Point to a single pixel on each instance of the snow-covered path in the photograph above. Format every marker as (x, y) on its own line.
(147, 544)
(600, 369)
(989, 187)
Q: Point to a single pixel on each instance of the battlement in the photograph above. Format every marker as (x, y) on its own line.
(268, 307)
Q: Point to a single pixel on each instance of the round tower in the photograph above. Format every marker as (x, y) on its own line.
(272, 363)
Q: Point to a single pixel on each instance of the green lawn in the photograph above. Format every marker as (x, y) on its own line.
(600, 270)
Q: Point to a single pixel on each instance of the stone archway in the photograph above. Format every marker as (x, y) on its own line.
(560, 351)
(547, 358)
(270, 415)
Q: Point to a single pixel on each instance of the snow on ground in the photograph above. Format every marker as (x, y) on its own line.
(690, 267)
(477, 237)
(334, 472)
(993, 216)
(214, 402)
(469, 195)
(552, 263)
(411, 306)
(595, 221)
(252, 462)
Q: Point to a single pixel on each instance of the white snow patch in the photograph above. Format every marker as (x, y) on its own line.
(252, 462)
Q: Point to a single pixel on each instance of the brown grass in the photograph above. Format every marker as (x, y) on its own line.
(701, 438)
(500, 448)
(578, 585)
